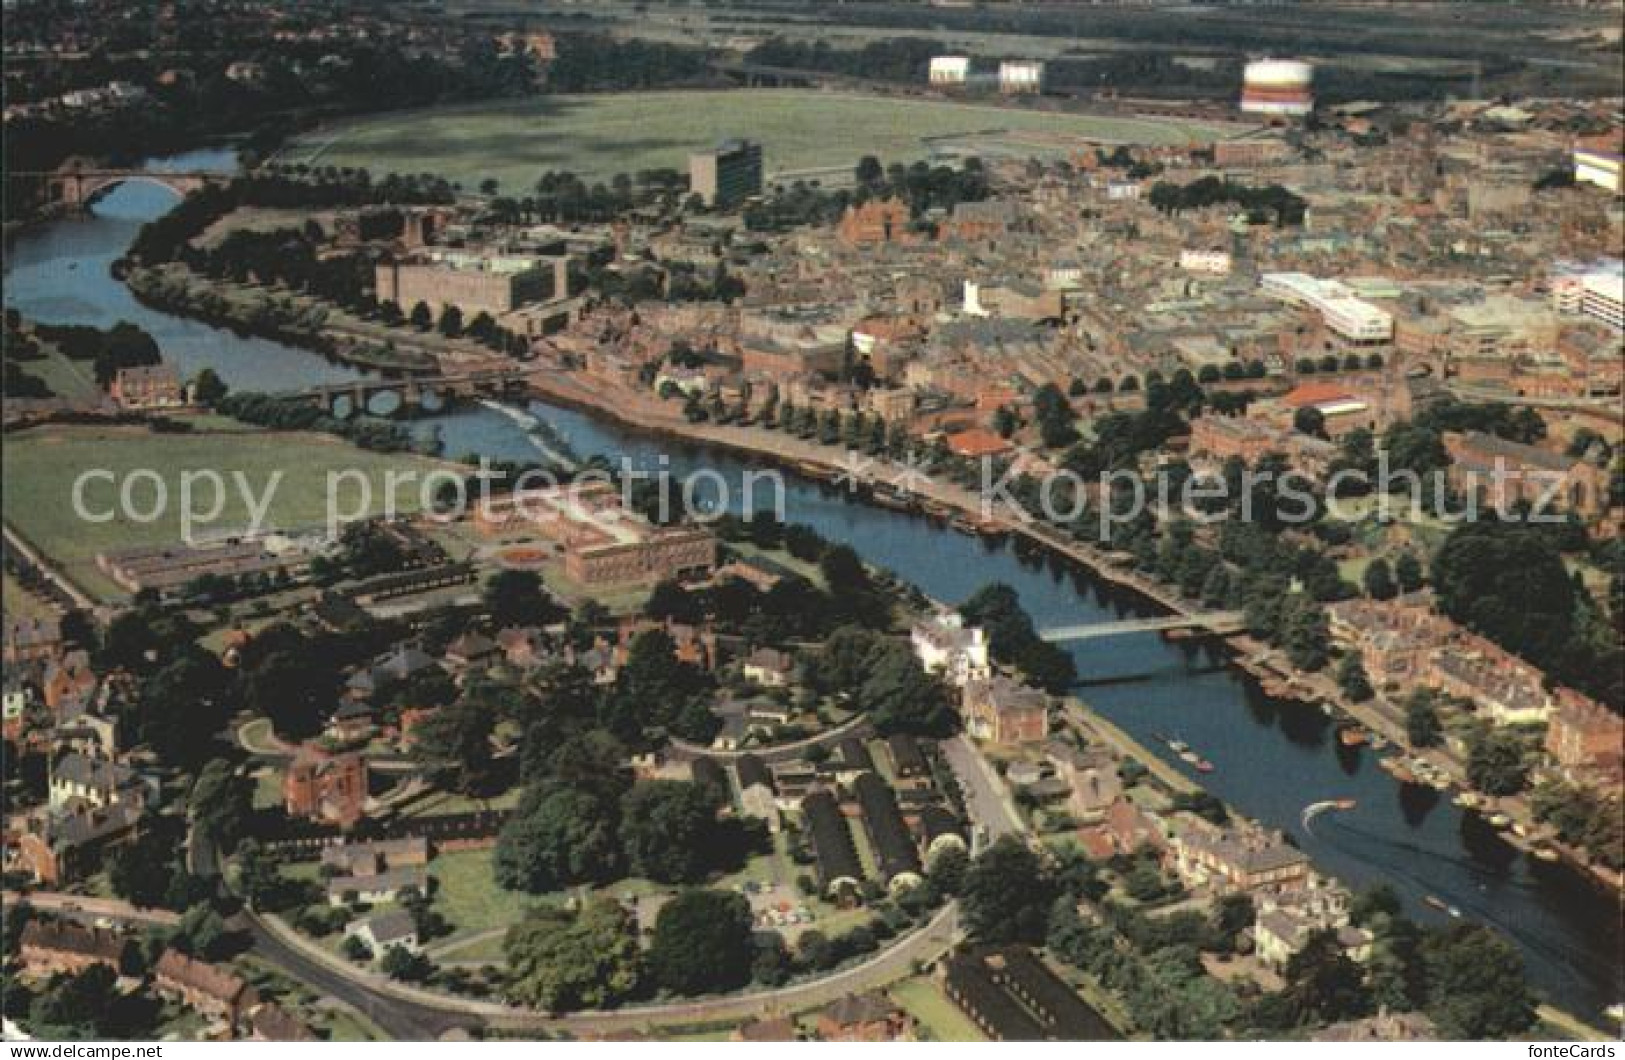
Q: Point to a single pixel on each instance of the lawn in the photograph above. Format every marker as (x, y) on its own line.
(43, 464)
(468, 897)
(938, 1019)
(598, 136)
(18, 602)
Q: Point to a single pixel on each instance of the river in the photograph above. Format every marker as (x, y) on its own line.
(1271, 758)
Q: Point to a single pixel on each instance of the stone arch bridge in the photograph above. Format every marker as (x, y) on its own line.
(423, 393)
(81, 187)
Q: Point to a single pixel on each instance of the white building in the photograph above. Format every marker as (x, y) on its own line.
(949, 69)
(945, 645)
(1352, 319)
(1021, 76)
(1206, 262)
(1596, 291)
(1597, 161)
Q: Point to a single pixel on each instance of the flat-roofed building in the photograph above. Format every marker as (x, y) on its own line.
(473, 281)
(727, 174)
(601, 541)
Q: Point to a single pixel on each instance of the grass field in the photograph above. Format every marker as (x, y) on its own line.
(939, 1020)
(42, 465)
(601, 135)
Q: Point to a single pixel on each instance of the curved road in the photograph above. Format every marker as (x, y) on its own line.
(411, 1013)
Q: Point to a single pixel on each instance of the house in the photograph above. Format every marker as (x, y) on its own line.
(1091, 780)
(1385, 1026)
(371, 858)
(1285, 920)
(68, 680)
(945, 645)
(269, 1022)
(523, 647)
(1129, 828)
(146, 387)
(1005, 712)
(384, 931)
(376, 887)
(866, 1017)
(770, 667)
(47, 948)
(472, 651)
(351, 722)
(323, 786)
(1237, 857)
(61, 846)
(208, 988)
(31, 638)
(758, 797)
(1585, 739)
(94, 781)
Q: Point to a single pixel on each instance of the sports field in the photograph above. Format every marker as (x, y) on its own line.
(43, 464)
(597, 136)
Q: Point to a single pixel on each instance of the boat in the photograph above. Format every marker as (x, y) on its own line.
(1189, 757)
(1326, 708)
(1178, 747)
(1315, 809)
(1351, 737)
(1435, 902)
(1500, 820)
(1544, 854)
(1466, 800)
(1379, 742)
(1204, 766)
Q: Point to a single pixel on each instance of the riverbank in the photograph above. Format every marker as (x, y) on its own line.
(966, 509)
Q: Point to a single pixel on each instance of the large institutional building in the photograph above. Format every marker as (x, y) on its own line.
(727, 174)
(600, 541)
(474, 282)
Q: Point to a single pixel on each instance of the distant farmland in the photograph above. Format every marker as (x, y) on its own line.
(515, 141)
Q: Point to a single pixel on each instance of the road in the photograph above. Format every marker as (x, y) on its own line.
(410, 1013)
(986, 799)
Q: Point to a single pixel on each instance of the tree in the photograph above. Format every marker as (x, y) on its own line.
(201, 933)
(1507, 582)
(702, 943)
(560, 961)
(454, 745)
(451, 322)
(1007, 894)
(421, 317)
(902, 697)
(207, 387)
(1379, 581)
(1408, 572)
(1422, 726)
(222, 804)
(1352, 679)
(1496, 762)
(1475, 985)
(401, 963)
(557, 836)
(1323, 984)
(517, 598)
(668, 829)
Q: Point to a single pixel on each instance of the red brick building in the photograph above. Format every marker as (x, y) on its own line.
(326, 787)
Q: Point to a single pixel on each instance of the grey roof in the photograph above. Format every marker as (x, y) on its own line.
(391, 926)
